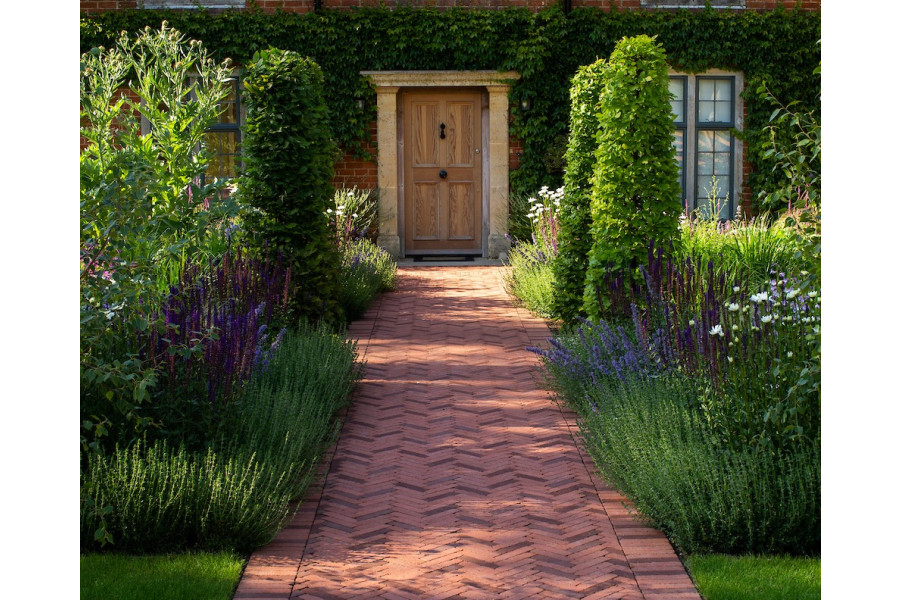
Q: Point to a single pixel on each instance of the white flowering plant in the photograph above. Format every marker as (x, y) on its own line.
(544, 217)
(353, 214)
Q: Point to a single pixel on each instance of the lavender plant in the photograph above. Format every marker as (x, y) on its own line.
(752, 353)
(367, 270)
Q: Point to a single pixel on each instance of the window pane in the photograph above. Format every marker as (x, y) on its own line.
(710, 186)
(705, 141)
(723, 90)
(707, 112)
(722, 164)
(229, 104)
(224, 145)
(705, 163)
(706, 89)
(678, 142)
(676, 87)
(723, 141)
(704, 206)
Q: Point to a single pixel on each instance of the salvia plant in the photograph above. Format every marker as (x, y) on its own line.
(753, 353)
(218, 326)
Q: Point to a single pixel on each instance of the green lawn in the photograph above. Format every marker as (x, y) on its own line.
(194, 576)
(720, 577)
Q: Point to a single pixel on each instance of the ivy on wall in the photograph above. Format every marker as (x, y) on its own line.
(546, 48)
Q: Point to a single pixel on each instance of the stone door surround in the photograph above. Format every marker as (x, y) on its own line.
(387, 86)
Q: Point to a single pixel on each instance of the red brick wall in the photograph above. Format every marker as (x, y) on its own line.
(350, 171)
(304, 6)
(295, 6)
(94, 6)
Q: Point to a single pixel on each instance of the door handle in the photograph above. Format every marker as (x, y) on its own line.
(443, 135)
(443, 174)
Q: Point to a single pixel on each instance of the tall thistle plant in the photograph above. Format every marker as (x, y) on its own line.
(570, 266)
(142, 203)
(635, 196)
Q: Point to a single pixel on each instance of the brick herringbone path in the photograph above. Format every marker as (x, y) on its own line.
(455, 475)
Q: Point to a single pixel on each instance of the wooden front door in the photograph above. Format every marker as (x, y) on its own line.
(442, 171)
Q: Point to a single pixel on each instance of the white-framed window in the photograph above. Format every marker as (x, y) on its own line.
(706, 109)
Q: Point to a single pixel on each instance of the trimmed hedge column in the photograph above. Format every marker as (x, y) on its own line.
(574, 242)
(289, 164)
(635, 197)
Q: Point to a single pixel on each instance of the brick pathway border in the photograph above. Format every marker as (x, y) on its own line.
(629, 560)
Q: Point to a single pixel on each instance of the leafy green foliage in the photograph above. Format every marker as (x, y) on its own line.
(546, 48)
(635, 198)
(795, 146)
(143, 209)
(289, 163)
(570, 266)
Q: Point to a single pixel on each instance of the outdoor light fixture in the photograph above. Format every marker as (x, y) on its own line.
(525, 104)
(361, 104)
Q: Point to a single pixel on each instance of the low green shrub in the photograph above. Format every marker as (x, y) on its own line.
(366, 271)
(237, 493)
(651, 446)
(529, 278)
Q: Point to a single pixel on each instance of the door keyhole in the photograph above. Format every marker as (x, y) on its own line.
(443, 135)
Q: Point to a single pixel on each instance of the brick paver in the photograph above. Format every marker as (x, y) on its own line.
(456, 476)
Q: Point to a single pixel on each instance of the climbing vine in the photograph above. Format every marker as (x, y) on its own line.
(546, 48)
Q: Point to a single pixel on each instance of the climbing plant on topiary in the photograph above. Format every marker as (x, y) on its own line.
(574, 242)
(289, 164)
(635, 196)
